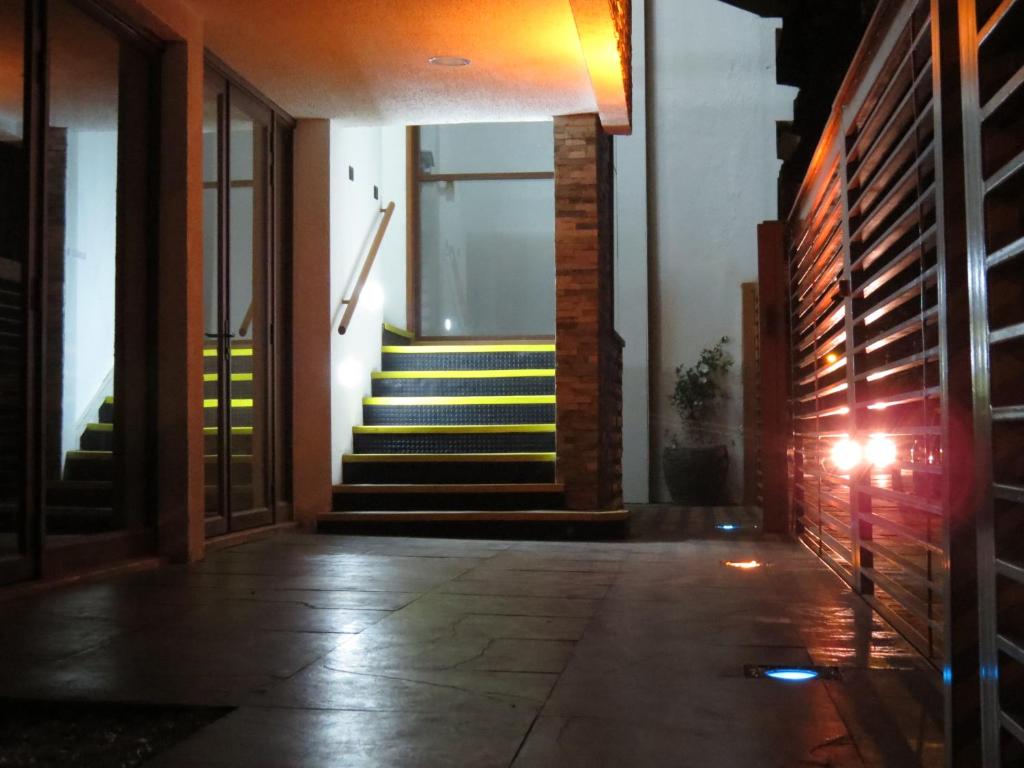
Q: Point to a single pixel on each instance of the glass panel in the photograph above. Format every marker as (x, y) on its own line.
(81, 262)
(487, 258)
(13, 222)
(212, 359)
(247, 321)
(487, 148)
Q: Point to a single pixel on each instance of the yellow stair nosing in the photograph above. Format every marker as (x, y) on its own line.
(94, 426)
(419, 349)
(86, 454)
(234, 430)
(235, 377)
(443, 488)
(470, 400)
(236, 402)
(235, 351)
(511, 373)
(430, 458)
(445, 429)
(399, 331)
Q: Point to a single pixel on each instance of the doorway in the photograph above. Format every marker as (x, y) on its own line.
(245, 200)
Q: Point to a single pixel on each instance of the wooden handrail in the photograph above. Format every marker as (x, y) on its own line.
(350, 303)
(243, 329)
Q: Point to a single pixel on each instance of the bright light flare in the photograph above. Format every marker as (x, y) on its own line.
(743, 565)
(880, 451)
(846, 454)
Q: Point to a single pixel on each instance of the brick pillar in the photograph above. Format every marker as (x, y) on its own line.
(589, 356)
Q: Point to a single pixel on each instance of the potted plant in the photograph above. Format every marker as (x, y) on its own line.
(696, 464)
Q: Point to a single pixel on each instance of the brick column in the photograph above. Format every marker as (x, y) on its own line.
(589, 356)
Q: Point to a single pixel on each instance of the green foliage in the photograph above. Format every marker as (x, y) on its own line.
(701, 388)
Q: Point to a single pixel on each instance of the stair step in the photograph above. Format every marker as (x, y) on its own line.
(447, 496)
(474, 438)
(241, 385)
(473, 516)
(446, 357)
(514, 381)
(460, 468)
(483, 409)
(395, 336)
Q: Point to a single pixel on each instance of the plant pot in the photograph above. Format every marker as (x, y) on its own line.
(696, 474)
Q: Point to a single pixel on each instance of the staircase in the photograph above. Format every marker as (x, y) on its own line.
(466, 427)
(82, 501)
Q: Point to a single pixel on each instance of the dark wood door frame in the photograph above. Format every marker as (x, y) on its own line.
(273, 184)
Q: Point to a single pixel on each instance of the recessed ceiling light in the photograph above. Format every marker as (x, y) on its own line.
(449, 61)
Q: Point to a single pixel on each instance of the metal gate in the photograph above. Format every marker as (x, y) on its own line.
(906, 307)
(992, 53)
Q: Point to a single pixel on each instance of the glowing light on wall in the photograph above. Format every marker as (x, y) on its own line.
(831, 358)
(447, 323)
(743, 565)
(880, 451)
(349, 373)
(727, 526)
(373, 296)
(846, 454)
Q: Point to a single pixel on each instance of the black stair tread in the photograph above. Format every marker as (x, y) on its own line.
(553, 515)
(481, 373)
(426, 458)
(462, 400)
(421, 348)
(449, 429)
(442, 488)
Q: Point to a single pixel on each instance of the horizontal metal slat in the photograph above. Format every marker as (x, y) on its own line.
(1010, 570)
(993, 21)
(902, 398)
(905, 628)
(884, 204)
(911, 569)
(1005, 92)
(897, 332)
(1004, 254)
(897, 263)
(899, 528)
(910, 602)
(994, 181)
(1008, 413)
(1014, 493)
(1012, 726)
(898, 366)
(925, 201)
(898, 498)
(1010, 648)
(1007, 333)
(905, 293)
(865, 168)
(862, 131)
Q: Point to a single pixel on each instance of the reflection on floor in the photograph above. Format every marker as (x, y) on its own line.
(376, 651)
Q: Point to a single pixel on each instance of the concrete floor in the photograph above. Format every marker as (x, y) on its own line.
(375, 651)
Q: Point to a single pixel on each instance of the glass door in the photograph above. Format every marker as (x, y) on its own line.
(238, 189)
(15, 558)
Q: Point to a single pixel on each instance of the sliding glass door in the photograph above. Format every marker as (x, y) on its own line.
(241, 211)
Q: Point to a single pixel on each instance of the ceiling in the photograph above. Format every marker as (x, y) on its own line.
(364, 62)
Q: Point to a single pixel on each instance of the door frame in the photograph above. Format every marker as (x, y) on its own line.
(276, 189)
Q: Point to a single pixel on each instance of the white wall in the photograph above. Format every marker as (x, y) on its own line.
(630, 153)
(89, 278)
(714, 104)
(377, 157)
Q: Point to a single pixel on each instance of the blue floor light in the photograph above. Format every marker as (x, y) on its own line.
(791, 675)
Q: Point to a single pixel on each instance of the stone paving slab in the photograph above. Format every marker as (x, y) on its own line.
(379, 651)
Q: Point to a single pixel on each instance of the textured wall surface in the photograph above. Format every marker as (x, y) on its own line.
(713, 104)
(588, 350)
